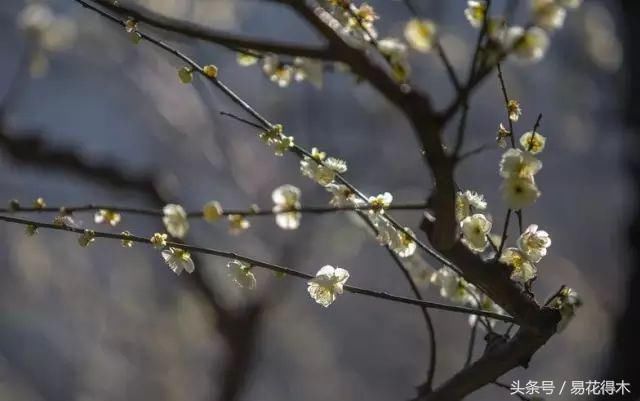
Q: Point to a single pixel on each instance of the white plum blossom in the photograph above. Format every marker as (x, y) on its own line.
(476, 12)
(519, 193)
(175, 220)
(534, 243)
(468, 202)
(327, 284)
(420, 34)
(453, 287)
(514, 110)
(158, 240)
(320, 168)
(212, 211)
(109, 217)
(516, 163)
(404, 245)
(548, 14)
(178, 260)
(343, 196)
(400, 241)
(246, 59)
(321, 174)
(475, 229)
(380, 202)
(274, 136)
(287, 201)
(527, 45)
(397, 54)
(240, 273)
(522, 269)
(335, 164)
(237, 224)
(534, 144)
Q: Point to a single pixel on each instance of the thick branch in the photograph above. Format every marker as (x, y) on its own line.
(231, 41)
(29, 147)
(414, 104)
(497, 360)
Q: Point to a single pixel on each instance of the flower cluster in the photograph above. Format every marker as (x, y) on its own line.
(275, 137)
(177, 259)
(320, 168)
(527, 44)
(531, 247)
(104, 216)
(474, 226)
(354, 23)
(518, 167)
(283, 72)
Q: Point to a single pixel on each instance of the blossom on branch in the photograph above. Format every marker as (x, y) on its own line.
(109, 217)
(327, 285)
(476, 12)
(178, 260)
(533, 143)
(534, 243)
(475, 230)
(287, 201)
(175, 220)
(522, 269)
(420, 34)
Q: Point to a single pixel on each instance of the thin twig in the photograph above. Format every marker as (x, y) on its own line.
(257, 211)
(296, 149)
(258, 263)
(504, 234)
(477, 50)
(503, 88)
(425, 312)
(453, 77)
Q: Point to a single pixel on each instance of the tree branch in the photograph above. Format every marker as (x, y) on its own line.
(497, 360)
(258, 263)
(254, 211)
(228, 40)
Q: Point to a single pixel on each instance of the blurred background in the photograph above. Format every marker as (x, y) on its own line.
(89, 117)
